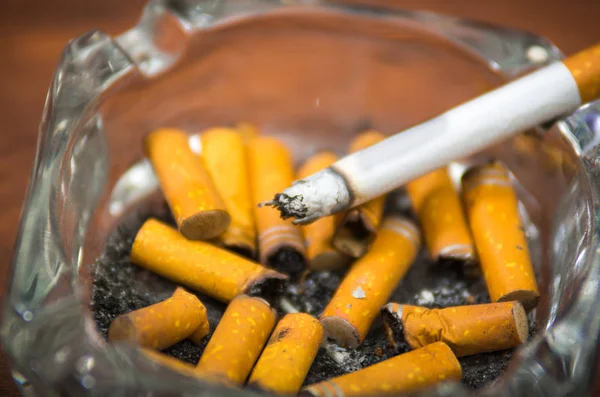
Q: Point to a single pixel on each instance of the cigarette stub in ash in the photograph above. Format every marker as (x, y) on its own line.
(468, 330)
(238, 340)
(291, 350)
(201, 266)
(358, 227)
(493, 211)
(280, 243)
(197, 207)
(163, 324)
(320, 252)
(441, 216)
(370, 282)
(404, 373)
(225, 156)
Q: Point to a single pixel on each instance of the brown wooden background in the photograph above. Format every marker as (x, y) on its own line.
(32, 34)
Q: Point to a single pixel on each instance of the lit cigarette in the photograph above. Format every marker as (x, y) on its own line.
(281, 244)
(404, 373)
(441, 216)
(197, 207)
(199, 265)
(538, 97)
(238, 340)
(359, 225)
(225, 155)
(370, 282)
(493, 213)
(468, 330)
(291, 350)
(320, 253)
(163, 324)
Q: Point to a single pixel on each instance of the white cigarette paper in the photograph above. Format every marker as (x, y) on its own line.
(484, 121)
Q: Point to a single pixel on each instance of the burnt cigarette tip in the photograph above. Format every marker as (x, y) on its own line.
(288, 206)
(270, 286)
(271, 203)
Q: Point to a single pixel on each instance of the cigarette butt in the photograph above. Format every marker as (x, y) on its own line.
(358, 227)
(468, 330)
(238, 340)
(370, 282)
(441, 216)
(291, 350)
(281, 244)
(163, 324)
(201, 266)
(198, 209)
(499, 235)
(225, 155)
(585, 69)
(404, 373)
(248, 131)
(320, 252)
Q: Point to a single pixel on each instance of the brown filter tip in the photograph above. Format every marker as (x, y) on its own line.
(341, 330)
(205, 225)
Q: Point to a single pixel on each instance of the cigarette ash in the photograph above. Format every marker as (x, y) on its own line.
(287, 260)
(120, 286)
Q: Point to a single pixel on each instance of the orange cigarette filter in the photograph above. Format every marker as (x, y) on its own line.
(493, 213)
(585, 69)
(283, 365)
(280, 243)
(238, 340)
(468, 330)
(225, 155)
(370, 282)
(320, 252)
(197, 207)
(357, 228)
(198, 265)
(248, 131)
(163, 324)
(408, 372)
(442, 219)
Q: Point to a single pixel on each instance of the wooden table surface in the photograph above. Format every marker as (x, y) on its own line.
(32, 34)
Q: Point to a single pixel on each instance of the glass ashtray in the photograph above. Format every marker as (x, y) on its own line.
(311, 73)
